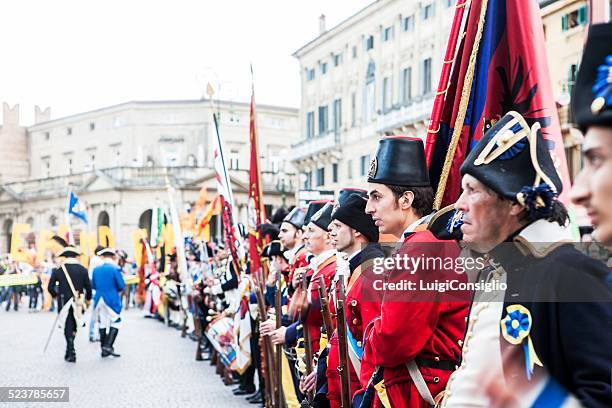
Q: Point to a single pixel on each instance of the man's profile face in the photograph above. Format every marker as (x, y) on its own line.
(484, 215)
(341, 235)
(383, 207)
(317, 239)
(287, 235)
(592, 187)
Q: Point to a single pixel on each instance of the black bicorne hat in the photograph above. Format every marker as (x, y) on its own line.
(399, 161)
(514, 161)
(446, 224)
(313, 207)
(296, 217)
(323, 217)
(592, 98)
(274, 248)
(106, 252)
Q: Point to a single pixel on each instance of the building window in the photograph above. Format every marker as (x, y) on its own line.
(354, 51)
(323, 68)
(323, 120)
(353, 109)
(574, 19)
(337, 59)
(334, 172)
(388, 34)
(337, 115)
(69, 162)
(386, 95)
(370, 89)
(349, 169)
(449, 3)
(310, 74)
(369, 43)
(92, 126)
(46, 166)
(406, 84)
(320, 176)
(234, 158)
(428, 11)
(307, 178)
(364, 164)
(68, 131)
(310, 125)
(426, 76)
(47, 135)
(408, 24)
(192, 161)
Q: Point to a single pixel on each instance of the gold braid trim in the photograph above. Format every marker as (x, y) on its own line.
(463, 103)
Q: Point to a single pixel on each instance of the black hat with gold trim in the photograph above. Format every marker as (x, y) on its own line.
(446, 224)
(399, 161)
(512, 159)
(592, 99)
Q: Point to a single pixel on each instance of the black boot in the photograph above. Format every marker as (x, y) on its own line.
(107, 348)
(103, 341)
(70, 355)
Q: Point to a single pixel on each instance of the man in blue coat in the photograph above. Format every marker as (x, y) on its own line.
(108, 283)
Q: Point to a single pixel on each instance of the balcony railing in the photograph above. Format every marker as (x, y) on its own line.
(401, 115)
(312, 146)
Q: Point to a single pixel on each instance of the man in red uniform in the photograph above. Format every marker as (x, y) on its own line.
(417, 338)
(353, 232)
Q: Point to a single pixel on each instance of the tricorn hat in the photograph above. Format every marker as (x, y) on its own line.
(296, 217)
(399, 161)
(274, 248)
(592, 98)
(513, 160)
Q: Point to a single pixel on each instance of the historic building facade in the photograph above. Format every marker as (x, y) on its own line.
(118, 160)
(375, 73)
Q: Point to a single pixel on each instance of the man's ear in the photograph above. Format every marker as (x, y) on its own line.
(516, 208)
(405, 201)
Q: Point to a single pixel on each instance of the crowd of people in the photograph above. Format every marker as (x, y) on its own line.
(306, 323)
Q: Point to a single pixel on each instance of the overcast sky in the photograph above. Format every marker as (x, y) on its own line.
(76, 56)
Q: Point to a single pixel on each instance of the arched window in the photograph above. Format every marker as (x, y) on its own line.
(370, 92)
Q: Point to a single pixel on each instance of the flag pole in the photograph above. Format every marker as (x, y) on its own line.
(463, 105)
(67, 217)
(443, 85)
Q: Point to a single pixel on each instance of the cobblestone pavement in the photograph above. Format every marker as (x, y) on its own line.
(156, 369)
